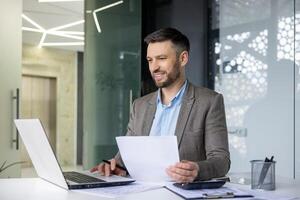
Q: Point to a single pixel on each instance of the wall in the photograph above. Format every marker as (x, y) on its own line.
(10, 80)
(61, 65)
(297, 96)
(256, 64)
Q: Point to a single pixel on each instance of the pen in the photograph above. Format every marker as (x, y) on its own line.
(118, 166)
(264, 170)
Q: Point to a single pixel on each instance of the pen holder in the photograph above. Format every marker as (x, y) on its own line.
(262, 175)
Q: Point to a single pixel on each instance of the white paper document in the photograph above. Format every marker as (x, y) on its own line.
(147, 157)
(117, 191)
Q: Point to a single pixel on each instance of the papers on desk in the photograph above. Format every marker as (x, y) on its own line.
(147, 157)
(117, 191)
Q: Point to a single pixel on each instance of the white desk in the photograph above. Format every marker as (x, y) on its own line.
(37, 189)
(284, 187)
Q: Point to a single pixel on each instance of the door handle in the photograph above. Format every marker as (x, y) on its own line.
(17, 99)
(130, 101)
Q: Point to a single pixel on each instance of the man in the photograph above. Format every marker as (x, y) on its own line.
(194, 114)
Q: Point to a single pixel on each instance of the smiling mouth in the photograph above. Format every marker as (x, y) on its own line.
(158, 76)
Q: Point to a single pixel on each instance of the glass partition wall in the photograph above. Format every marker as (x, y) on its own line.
(297, 89)
(255, 58)
(111, 74)
(254, 62)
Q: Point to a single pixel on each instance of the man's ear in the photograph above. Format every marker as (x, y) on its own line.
(184, 58)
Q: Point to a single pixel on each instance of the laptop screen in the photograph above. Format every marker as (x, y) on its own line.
(40, 151)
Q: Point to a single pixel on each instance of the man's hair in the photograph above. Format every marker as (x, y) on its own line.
(180, 41)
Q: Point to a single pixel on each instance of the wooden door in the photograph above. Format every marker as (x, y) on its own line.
(39, 101)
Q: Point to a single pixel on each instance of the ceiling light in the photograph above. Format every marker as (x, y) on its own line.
(67, 25)
(42, 39)
(63, 43)
(100, 9)
(55, 31)
(58, 33)
(32, 22)
(49, 1)
(71, 32)
(32, 29)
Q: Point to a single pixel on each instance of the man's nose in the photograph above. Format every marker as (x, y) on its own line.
(154, 66)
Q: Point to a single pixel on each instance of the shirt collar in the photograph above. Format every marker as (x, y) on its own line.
(176, 98)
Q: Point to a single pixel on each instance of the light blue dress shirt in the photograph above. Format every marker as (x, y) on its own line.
(165, 120)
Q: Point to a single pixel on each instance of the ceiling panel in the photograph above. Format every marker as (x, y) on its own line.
(50, 15)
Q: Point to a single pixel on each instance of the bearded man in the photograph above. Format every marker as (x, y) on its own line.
(194, 114)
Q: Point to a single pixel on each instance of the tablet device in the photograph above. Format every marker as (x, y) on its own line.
(211, 184)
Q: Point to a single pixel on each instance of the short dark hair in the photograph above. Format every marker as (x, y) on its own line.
(180, 41)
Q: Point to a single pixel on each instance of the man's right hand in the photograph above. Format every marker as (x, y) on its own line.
(109, 169)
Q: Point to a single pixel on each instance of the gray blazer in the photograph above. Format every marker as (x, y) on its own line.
(201, 129)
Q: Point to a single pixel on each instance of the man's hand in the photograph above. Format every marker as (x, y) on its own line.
(184, 171)
(109, 169)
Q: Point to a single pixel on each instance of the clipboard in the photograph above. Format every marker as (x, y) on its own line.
(217, 193)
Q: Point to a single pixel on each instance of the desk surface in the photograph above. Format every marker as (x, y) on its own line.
(35, 188)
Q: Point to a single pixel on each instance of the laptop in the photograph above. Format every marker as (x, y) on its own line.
(47, 166)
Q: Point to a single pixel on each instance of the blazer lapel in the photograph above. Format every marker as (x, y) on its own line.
(149, 115)
(186, 106)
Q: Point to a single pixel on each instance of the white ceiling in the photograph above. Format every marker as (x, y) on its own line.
(50, 15)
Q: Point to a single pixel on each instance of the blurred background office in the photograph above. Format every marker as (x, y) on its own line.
(78, 65)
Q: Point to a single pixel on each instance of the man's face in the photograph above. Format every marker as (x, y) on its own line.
(164, 64)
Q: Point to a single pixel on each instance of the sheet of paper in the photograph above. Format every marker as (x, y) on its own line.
(117, 191)
(147, 157)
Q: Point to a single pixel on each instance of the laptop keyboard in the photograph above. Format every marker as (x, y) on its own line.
(81, 178)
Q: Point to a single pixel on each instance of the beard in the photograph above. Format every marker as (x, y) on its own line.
(171, 77)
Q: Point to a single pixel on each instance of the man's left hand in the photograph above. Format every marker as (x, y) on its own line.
(184, 171)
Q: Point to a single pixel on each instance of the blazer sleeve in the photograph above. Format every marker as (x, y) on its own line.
(217, 161)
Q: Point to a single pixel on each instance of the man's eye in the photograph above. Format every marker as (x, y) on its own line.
(162, 58)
